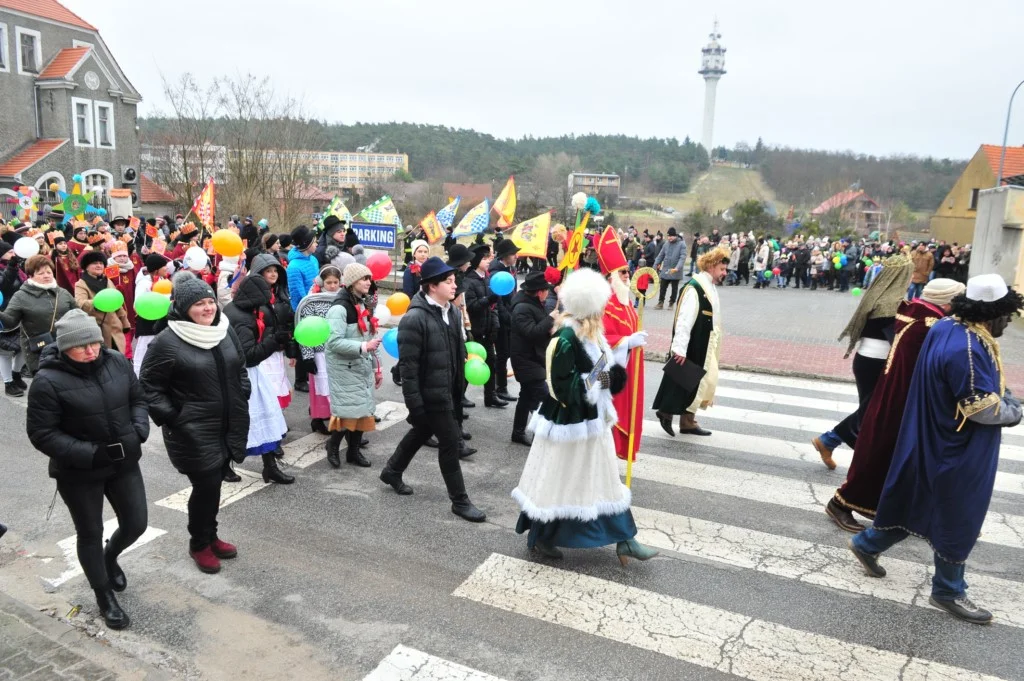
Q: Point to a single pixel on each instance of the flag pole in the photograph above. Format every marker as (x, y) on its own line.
(642, 295)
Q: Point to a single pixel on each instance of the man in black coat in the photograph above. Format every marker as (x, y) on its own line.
(433, 358)
(531, 333)
(483, 317)
(504, 261)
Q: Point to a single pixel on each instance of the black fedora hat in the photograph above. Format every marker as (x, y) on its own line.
(434, 269)
(505, 248)
(535, 281)
(458, 255)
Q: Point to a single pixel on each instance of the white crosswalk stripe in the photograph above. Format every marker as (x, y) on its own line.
(409, 664)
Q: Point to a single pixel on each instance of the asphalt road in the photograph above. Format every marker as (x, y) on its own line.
(336, 571)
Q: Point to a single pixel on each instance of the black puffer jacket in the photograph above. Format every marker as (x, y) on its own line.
(483, 319)
(75, 409)
(531, 333)
(200, 398)
(251, 299)
(433, 356)
(504, 306)
(10, 280)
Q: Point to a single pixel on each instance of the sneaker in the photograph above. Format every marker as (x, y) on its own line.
(963, 608)
(870, 563)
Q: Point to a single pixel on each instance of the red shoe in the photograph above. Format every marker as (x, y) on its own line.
(222, 549)
(206, 561)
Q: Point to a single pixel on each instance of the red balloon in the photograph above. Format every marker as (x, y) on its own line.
(380, 265)
(776, 271)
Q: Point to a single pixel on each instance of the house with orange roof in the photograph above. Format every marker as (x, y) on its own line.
(853, 208)
(953, 220)
(67, 107)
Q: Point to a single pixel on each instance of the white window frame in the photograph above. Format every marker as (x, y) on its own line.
(43, 183)
(5, 53)
(87, 186)
(89, 122)
(109, 106)
(20, 31)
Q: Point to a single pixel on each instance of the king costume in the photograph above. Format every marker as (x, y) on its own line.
(570, 492)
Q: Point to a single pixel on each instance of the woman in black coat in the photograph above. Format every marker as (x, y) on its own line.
(88, 413)
(198, 391)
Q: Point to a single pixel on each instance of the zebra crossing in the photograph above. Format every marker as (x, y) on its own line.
(744, 509)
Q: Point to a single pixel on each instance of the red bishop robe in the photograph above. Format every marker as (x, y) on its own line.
(66, 270)
(620, 321)
(77, 247)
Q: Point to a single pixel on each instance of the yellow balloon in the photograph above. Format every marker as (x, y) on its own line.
(398, 303)
(471, 357)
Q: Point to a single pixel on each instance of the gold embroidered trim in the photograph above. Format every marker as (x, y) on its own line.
(548, 355)
(974, 404)
(930, 321)
(708, 313)
(896, 342)
(905, 319)
(869, 512)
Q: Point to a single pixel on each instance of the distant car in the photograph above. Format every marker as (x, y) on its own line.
(669, 210)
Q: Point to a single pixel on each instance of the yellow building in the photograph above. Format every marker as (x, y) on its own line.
(953, 221)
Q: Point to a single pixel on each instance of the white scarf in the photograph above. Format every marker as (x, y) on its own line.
(46, 287)
(205, 337)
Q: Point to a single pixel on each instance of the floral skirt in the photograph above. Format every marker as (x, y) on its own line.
(267, 426)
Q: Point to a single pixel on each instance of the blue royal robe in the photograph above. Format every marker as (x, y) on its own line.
(944, 466)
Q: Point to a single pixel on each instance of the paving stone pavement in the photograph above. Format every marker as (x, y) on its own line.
(36, 647)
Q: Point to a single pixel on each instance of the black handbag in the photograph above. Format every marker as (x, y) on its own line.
(10, 341)
(36, 343)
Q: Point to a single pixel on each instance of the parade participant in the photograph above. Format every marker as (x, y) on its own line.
(267, 266)
(622, 331)
(145, 330)
(314, 359)
(570, 492)
(125, 283)
(65, 262)
(483, 318)
(254, 320)
(669, 262)
(197, 387)
(411, 276)
(350, 251)
(531, 333)
(302, 271)
(504, 261)
(870, 333)
(37, 306)
(88, 413)
(944, 465)
(881, 425)
(12, 357)
(352, 366)
(459, 258)
(696, 337)
(332, 237)
(114, 325)
(79, 241)
(433, 356)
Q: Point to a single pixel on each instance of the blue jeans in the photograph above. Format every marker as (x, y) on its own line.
(830, 439)
(948, 583)
(914, 291)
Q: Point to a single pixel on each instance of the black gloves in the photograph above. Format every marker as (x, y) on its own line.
(282, 338)
(309, 365)
(617, 376)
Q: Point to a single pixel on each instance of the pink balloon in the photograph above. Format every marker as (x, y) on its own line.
(380, 265)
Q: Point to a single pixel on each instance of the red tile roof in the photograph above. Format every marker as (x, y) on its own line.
(30, 155)
(151, 192)
(841, 199)
(66, 61)
(470, 193)
(1014, 164)
(48, 9)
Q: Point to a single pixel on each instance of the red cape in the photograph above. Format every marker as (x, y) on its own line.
(620, 321)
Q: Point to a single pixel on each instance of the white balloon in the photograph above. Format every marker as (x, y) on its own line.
(26, 247)
(196, 258)
(382, 313)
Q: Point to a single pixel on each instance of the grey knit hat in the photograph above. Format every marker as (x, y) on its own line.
(189, 290)
(76, 328)
(354, 272)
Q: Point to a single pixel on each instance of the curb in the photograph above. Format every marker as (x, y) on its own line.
(662, 357)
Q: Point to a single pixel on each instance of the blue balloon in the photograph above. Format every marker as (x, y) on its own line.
(390, 342)
(1, 298)
(842, 260)
(503, 283)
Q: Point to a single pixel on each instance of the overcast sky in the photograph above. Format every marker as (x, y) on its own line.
(917, 77)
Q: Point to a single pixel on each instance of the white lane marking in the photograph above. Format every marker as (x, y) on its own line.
(999, 528)
(828, 566)
(831, 388)
(690, 632)
(300, 454)
(1011, 483)
(409, 664)
(842, 408)
(70, 550)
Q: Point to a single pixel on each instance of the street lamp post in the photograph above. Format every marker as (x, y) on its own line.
(1006, 132)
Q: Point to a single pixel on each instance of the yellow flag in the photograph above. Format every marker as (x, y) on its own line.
(432, 228)
(573, 252)
(532, 236)
(505, 204)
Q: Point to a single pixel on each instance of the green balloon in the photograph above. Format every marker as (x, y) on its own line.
(152, 306)
(839, 265)
(768, 274)
(474, 348)
(312, 331)
(855, 292)
(108, 300)
(477, 372)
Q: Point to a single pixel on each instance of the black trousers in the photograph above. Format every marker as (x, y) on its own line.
(301, 375)
(492, 363)
(743, 271)
(203, 506)
(531, 393)
(445, 427)
(866, 372)
(126, 493)
(666, 284)
(502, 350)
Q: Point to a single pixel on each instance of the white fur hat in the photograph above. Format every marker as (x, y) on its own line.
(584, 294)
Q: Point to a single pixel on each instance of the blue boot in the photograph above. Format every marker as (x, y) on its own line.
(631, 548)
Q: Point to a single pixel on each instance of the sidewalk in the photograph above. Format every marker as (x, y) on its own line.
(37, 647)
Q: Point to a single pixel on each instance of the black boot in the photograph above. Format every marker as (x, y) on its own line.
(18, 380)
(118, 582)
(110, 609)
(394, 478)
(11, 389)
(318, 426)
(461, 505)
(271, 473)
(353, 455)
(229, 474)
(334, 448)
(279, 453)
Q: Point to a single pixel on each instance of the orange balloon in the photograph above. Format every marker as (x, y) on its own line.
(398, 303)
(162, 286)
(471, 356)
(227, 243)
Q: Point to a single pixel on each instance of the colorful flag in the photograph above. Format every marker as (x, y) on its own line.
(432, 229)
(204, 206)
(505, 204)
(574, 250)
(446, 216)
(475, 221)
(337, 208)
(381, 212)
(532, 236)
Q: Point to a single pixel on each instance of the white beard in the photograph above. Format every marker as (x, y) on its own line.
(619, 288)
